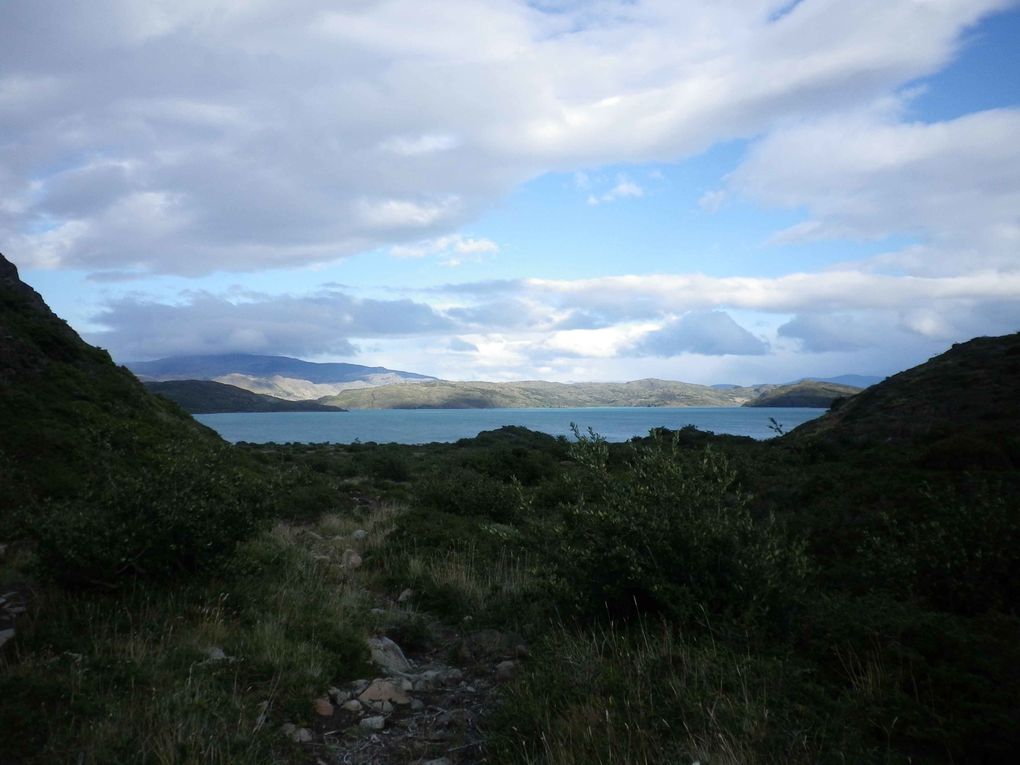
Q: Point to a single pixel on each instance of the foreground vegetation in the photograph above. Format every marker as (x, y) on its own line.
(846, 593)
(686, 597)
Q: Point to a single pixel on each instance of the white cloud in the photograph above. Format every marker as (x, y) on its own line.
(453, 250)
(279, 133)
(712, 201)
(954, 185)
(624, 189)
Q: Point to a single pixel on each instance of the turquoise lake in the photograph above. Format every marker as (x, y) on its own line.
(420, 426)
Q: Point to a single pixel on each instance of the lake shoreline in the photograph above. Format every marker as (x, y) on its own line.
(423, 426)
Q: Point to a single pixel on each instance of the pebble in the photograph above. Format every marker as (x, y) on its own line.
(417, 705)
(322, 707)
(377, 722)
(386, 691)
(350, 559)
(359, 534)
(405, 596)
(296, 734)
(351, 706)
(505, 670)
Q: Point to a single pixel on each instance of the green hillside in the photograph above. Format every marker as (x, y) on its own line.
(106, 478)
(207, 397)
(962, 402)
(808, 393)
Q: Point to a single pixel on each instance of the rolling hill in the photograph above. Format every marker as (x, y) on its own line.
(443, 394)
(208, 397)
(807, 393)
(969, 392)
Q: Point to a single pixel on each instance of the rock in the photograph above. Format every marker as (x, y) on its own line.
(417, 705)
(350, 559)
(386, 706)
(521, 651)
(296, 734)
(388, 655)
(505, 670)
(405, 596)
(359, 534)
(323, 708)
(406, 685)
(453, 676)
(378, 722)
(6, 635)
(337, 696)
(215, 653)
(385, 691)
(351, 706)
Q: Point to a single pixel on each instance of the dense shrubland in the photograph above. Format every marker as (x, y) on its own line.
(686, 597)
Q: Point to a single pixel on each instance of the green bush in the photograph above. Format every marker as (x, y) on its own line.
(183, 511)
(961, 553)
(466, 493)
(670, 533)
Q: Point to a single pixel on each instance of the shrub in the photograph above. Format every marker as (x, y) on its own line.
(466, 493)
(669, 533)
(961, 552)
(183, 511)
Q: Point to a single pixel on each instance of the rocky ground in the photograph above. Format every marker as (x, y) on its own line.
(424, 707)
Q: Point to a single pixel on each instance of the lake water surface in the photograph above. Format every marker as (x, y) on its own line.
(420, 426)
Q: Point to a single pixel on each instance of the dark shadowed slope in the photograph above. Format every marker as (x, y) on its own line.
(970, 391)
(68, 413)
(207, 397)
(807, 393)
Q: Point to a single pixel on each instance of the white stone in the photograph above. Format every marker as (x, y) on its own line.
(377, 722)
(388, 655)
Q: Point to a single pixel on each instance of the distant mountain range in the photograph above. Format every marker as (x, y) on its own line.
(280, 383)
(279, 376)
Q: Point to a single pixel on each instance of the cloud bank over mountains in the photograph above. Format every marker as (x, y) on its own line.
(191, 138)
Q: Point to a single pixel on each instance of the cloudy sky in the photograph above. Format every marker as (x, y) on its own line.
(717, 191)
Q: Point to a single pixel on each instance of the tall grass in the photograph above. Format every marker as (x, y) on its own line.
(130, 678)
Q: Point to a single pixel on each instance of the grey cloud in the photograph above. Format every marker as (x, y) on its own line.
(183, 137)
(710, 333)
(821, 333)
(458, 345)
(325, 323)
(501, 314)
